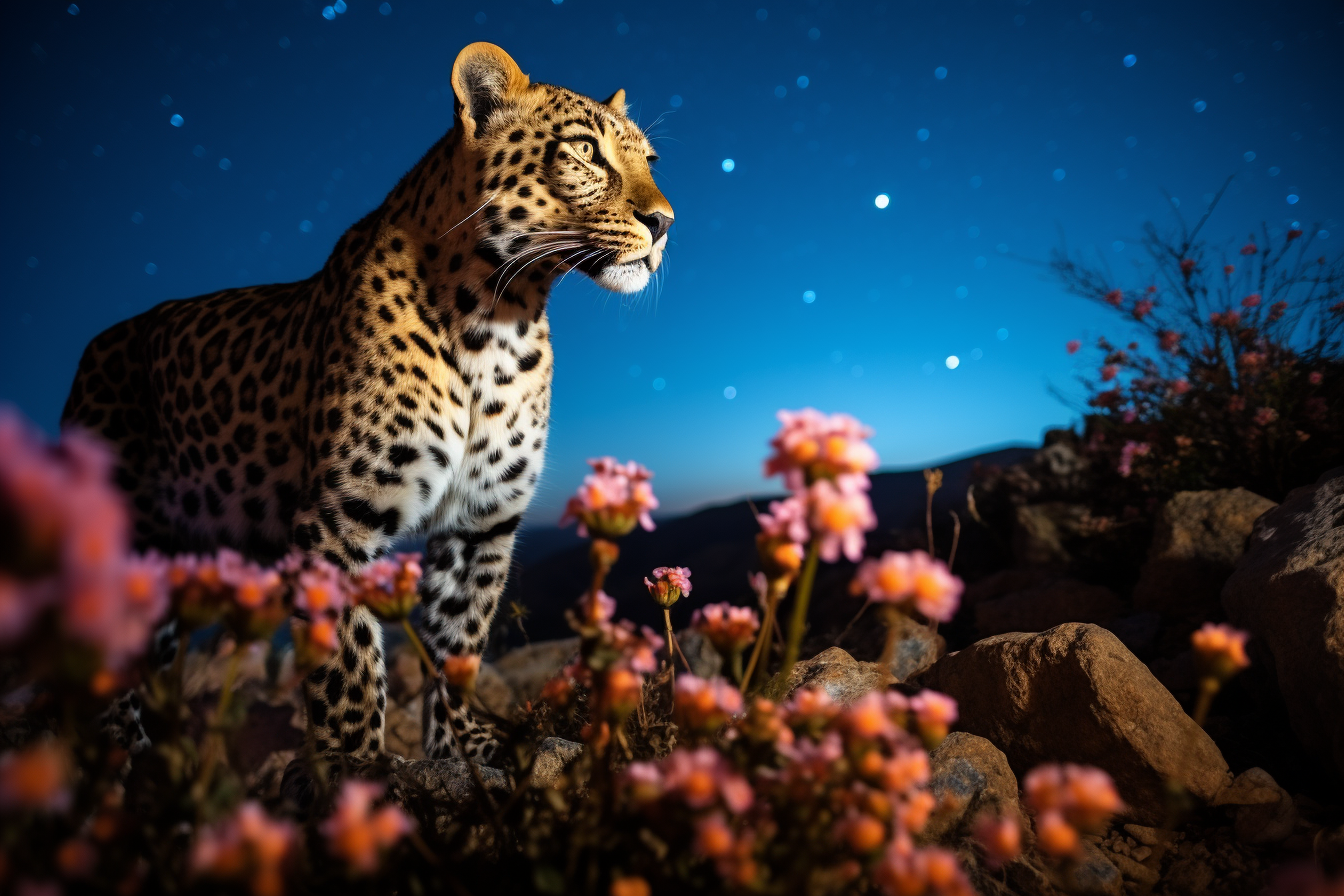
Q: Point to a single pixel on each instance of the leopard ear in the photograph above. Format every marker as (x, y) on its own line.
(484, 77)
(616, 102)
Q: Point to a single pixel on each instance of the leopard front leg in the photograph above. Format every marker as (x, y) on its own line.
(465, 572)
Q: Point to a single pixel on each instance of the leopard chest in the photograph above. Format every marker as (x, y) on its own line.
(438, 421)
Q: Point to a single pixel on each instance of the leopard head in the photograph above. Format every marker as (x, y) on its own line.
(557, 173)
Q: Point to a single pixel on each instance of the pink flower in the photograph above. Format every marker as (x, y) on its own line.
(1265, 416)
(1130, 451)
(1315, 377)
(728, 628)
(1084, 796)
(1108, 373)
(917, 578)
(1220, 650)
(1228, 269)
(1072, 346)
(1249, 249)
(1251, 360)
(1001, 838)
(1228, 319)
(1115, 297)
(249, 845)
(1251, 300)
(705, 705)
(357, 833)
(1169, 341)
(838, 519)
(702, 777)
(670, 584)
(1142, 308)
(1276, 311)
(612, 500)
(811, 445)
(1181, 386)
(934, 713)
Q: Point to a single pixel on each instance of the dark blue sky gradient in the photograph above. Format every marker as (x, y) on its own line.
(1037, 128)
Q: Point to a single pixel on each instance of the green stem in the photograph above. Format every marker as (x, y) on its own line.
(762, 638)
(430, 668)
(215, 745)
(736, 665)
(671, 649)
(798, 621)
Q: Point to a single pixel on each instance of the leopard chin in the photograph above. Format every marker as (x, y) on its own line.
(631, 276)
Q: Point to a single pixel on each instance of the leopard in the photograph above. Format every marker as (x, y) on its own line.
(403, 390)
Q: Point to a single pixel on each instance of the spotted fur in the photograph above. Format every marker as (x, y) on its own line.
(403, 388)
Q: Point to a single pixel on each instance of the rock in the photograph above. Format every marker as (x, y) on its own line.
(1075, 694)
(1198, 538)
(1134, 870)
(526, 669)
(443, 782)
(1189, 875)
(1288, 592)
(705, 660)
(968, 777)
(1148, 836)
(917, 648)
(842, 677)
(553, 756)
(1253, 787)
(1045, 606)
(1266, 812)
(1041, 533)
(1093, 873)
(401, 732)
(493, 693)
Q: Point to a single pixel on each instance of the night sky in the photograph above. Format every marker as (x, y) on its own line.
(161, 150)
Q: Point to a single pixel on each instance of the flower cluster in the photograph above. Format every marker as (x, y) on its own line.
(388, 586)
(1220, 650)
(1243, 385)
(669, 585)
(359, 834)
(910, 581)
(825, 461)
(1068, 801)
(811, 789)
(36, 777)
(701, 706)
(247, 846)
(730, 629)
(64, 537)
(613, 499)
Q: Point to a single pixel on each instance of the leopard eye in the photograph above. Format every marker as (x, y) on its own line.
(584, 149)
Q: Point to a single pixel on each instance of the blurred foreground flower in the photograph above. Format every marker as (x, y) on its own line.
(811, 446)
(358, 833)
(914, 581)
(389, 587)
(1069, 800)
(1001, 839)
(35, 777)
(248, 846)
(730, 629)
(1220, 650)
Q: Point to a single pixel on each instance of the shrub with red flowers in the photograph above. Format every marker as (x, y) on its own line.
(1235, 375)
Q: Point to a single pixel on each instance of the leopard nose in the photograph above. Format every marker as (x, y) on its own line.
(657, 222)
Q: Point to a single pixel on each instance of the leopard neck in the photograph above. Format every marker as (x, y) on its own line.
(437, 220)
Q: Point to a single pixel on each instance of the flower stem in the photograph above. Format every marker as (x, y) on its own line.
(798, 621)
(890, 616)
(430, 668)
(671, 649)
(215, 745)
(776, 590)
(735, 664)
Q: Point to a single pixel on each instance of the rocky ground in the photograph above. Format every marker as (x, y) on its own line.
(1056, 663)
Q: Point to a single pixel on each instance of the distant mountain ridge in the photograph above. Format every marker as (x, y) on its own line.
(551, 570)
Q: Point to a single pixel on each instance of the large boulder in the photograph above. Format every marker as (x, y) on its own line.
(1076, 694)
(1288, 592)
(917, 648)
(1197, 541)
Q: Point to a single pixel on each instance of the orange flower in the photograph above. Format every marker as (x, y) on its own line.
(360, 835)
(863, 833)
(1220, 650)
(36, 777)
(460, 670)
(1056, 836)
(713, 837)
(248, 845)
(629, 886)
(1001, 839)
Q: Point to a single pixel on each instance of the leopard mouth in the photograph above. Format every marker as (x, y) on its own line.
(626, 276)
